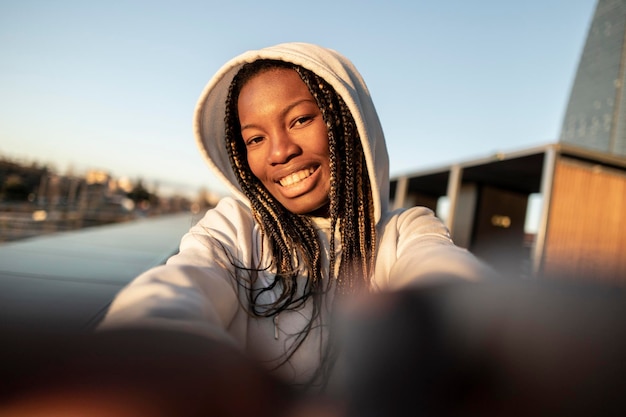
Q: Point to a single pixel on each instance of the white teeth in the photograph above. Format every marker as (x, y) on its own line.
(296, 177)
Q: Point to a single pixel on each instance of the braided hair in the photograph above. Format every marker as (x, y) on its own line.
(294, 245)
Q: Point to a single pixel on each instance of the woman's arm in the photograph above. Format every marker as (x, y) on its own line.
(415, 249)
(196, 290)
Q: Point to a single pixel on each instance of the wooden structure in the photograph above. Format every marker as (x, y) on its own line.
(582, 219)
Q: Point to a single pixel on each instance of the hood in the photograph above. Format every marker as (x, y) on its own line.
(337, 70)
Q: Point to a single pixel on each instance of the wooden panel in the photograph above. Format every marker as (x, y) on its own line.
(586, 236)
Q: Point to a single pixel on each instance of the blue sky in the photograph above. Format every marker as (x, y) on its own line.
(112, 85)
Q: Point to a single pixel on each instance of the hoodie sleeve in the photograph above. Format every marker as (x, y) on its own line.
(195, 291)
(416, 249)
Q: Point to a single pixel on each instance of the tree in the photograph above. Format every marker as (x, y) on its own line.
(15, 188)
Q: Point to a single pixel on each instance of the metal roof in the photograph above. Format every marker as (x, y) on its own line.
(518, 170)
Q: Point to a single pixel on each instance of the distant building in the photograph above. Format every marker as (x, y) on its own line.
(580, 182)
(596, 113)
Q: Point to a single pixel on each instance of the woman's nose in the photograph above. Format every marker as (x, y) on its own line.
(282, 148)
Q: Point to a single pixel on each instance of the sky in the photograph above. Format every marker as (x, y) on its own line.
(112, 85)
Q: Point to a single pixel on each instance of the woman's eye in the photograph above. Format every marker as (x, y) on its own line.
(302, 120)
(254, 140)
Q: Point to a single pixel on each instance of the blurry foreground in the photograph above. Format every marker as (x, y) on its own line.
(509, 348)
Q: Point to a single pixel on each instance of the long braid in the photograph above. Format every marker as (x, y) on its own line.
(351, 204)
(354, 204)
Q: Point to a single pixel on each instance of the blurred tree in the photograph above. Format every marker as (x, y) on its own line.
(14, 188)
(141, 196)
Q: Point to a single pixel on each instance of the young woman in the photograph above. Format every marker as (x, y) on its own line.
(293, 132)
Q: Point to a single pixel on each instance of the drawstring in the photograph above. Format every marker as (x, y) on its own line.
(276, 327)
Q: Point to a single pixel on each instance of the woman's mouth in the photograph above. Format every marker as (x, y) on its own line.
(296, 177)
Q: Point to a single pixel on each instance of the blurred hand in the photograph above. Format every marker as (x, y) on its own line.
(486, 349)
(136, 372)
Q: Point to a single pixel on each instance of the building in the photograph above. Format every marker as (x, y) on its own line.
(580, 181)
(596, 113)
(581, 227)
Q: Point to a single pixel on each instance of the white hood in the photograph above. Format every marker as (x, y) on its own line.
(337, 70)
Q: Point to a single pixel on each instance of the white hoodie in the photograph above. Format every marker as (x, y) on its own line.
(199, 290)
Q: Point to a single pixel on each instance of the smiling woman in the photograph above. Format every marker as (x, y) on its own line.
(286, 139)
(293, 132)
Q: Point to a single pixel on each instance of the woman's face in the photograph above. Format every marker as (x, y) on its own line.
(286, 140)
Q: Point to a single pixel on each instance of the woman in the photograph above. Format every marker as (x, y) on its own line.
(293, 132)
